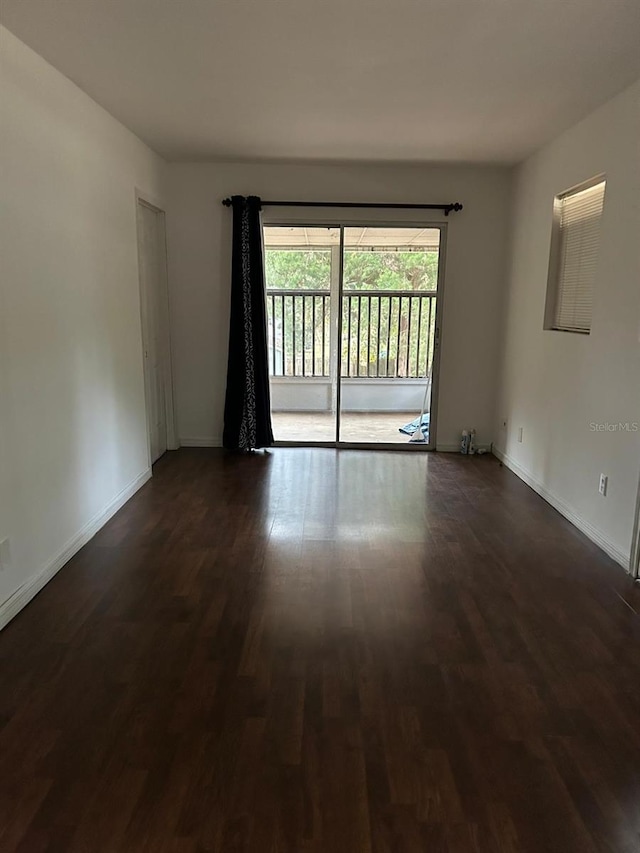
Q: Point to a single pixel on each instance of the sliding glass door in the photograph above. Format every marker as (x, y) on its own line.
(353, 333)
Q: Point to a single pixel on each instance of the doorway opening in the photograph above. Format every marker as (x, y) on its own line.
(353, 328)
(154, 314)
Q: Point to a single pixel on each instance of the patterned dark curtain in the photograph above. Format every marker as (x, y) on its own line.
(247, 409)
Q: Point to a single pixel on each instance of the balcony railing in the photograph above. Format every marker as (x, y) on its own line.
(384, 334)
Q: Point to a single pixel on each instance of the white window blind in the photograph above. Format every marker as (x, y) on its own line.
(580, 213)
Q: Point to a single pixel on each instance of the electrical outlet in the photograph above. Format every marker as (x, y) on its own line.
(4, 554)
(602, 486)
(520, 434)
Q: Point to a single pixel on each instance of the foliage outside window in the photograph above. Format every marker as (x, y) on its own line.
(379, 308)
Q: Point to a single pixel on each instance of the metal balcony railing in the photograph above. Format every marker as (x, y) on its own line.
(385, 334)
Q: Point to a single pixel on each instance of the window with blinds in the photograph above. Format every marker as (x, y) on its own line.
(574, 257)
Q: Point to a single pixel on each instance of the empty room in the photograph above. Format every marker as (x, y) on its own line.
(319, 426)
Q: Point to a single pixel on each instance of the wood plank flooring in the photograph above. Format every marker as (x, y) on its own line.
(320, 651)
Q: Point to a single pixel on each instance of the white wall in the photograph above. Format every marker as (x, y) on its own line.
(72, 416)
(554, 384)
(200, 260)
(296, 394)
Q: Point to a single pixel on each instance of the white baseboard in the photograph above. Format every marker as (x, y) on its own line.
(455, 448)
(216, 441)
(564, 509)
(204, 441)
(30, 588)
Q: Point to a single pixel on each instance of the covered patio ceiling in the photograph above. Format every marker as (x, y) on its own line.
(355, 237)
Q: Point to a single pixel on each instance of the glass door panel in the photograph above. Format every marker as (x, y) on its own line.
(388, 334)
(302, 266)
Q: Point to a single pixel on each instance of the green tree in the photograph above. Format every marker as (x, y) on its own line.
(379, 270)
(298, 270)
(310, 269)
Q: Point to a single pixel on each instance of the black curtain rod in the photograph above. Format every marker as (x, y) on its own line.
(447, 208)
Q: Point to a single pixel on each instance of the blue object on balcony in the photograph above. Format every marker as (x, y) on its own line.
(409, 429)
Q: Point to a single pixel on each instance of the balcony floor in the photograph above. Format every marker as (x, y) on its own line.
(370, 427)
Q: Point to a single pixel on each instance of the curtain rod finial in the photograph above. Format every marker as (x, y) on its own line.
(226, 202)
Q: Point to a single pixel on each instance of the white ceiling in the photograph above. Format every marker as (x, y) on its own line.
(398, 80)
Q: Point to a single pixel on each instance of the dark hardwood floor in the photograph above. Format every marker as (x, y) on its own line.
(319, 651)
